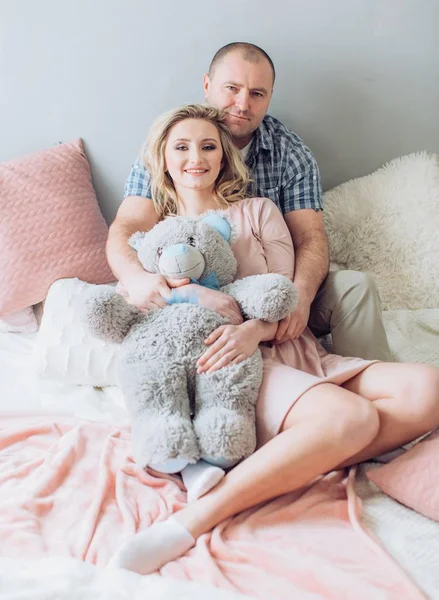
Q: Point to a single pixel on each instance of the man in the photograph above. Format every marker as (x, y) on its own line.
(346, 303)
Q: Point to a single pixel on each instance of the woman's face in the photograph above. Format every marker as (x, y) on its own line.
(193, 154)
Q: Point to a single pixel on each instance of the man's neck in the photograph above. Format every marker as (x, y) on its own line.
(241, 143)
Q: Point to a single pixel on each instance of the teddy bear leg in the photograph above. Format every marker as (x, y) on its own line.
(158, 402)
(225, 402)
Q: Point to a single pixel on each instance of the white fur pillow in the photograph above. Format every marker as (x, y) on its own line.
(64, 350)
(387, 224)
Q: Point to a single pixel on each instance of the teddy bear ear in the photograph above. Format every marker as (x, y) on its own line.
(135, 241)
(220, 224)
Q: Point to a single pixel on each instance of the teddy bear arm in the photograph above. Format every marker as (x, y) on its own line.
(107, 315)
(269, 297)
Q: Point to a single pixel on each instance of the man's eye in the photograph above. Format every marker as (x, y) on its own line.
(258, 94)
(231, 87)
(191, 241)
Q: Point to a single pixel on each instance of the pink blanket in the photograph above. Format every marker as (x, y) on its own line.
(71, 488)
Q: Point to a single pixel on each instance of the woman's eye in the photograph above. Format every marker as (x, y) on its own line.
(191, 241)
(209, 147)
(181, 147)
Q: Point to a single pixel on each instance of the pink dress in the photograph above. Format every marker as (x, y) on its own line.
(263, 245)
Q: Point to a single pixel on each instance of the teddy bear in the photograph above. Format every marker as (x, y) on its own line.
(178, 415)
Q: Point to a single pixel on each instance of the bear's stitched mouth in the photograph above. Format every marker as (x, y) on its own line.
(191, 269)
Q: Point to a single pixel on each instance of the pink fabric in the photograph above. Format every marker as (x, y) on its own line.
(263, 244)
(413, 477)
(50, 227)
(70, 488)
(20, 321)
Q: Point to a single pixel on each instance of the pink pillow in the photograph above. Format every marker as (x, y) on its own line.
(412, 477)
(50, 227)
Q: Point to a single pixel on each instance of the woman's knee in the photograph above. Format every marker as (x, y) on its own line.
(344, 417)
(358, 422)
(422, 393)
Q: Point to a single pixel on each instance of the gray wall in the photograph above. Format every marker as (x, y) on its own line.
(357, 79)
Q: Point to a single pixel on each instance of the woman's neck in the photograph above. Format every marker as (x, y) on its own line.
(192, 203)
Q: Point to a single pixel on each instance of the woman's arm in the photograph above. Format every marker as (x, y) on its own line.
(230, 344)
(275, 238)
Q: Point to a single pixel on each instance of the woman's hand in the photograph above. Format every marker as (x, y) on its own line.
(230, 345)
(223, 304)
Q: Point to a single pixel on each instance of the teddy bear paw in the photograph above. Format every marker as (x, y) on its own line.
(225, 433)
(158, 439)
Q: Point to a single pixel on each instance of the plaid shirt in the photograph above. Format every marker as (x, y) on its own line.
(281, 166)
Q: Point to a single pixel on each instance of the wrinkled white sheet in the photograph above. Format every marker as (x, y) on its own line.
(70, 579)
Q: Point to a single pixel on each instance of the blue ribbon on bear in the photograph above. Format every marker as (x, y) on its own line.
(178, 296)
(210, 281)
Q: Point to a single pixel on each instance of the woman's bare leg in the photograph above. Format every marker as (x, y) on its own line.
(406, 397)
(326, 423)
(326, 426)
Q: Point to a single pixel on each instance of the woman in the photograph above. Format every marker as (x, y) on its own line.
(316, 411)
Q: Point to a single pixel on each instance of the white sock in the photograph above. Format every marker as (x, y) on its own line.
(200, 478)
(173, 465)
(149, 550)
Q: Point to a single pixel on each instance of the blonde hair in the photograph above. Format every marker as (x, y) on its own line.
(233, 179)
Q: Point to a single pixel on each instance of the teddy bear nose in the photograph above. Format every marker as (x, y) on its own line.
(182, 260)
(175, 250)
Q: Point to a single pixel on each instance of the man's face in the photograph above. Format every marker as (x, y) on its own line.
(243, 90)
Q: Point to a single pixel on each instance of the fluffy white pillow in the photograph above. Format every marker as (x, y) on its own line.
(387, 224)
(64, 350)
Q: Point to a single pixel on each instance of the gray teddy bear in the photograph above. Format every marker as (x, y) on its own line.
(179, 416)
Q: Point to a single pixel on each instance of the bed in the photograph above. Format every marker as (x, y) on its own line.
(406, 535)
(70, 490)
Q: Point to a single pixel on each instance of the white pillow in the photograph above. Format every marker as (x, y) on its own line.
(64, 350)
(387, 224)
(19, 321)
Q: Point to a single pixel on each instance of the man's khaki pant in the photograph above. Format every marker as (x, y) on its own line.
(347, 305)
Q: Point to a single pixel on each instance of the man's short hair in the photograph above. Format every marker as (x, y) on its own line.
(249, 52)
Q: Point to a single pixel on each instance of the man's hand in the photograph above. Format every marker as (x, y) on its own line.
(150, 290)
(223, 304)
(229, 345)
(293, 326)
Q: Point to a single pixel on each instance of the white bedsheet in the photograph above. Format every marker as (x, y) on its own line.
(411, 538)
(70, 579)
(21, 392)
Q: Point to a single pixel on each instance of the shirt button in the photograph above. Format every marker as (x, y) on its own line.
(314, 177)
(137, 166)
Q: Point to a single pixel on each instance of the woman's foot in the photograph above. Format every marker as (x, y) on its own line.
(149, 550)
(200, 479)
